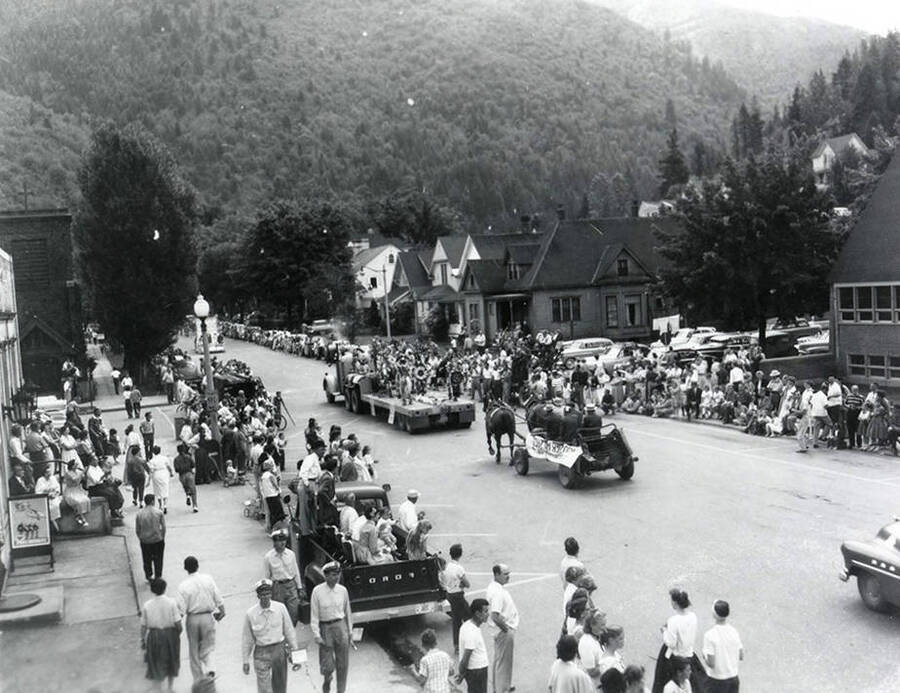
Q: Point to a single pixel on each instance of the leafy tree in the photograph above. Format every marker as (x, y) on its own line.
(755, 246)
(673, 168)
(218, 273)
(134, 245)
(296, 259)
(373, 315)
(414, 217)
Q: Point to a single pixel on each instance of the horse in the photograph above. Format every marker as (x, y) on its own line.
(500, 420)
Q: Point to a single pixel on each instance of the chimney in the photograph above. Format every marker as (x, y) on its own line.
(635, 208)
(560, 212)
(525, 223)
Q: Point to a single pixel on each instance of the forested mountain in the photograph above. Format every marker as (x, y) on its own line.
(767, 55)
(493, 108)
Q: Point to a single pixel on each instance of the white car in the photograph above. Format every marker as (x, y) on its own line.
(578, 349)
(680, 339)
(814, 344)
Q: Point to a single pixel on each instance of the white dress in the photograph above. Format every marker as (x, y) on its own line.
(160, 474)
(67, 448)
(51, 488)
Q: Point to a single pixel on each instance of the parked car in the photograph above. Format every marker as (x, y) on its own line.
(618, 355)
(679, 339)
(578, 349)
(799, 327)
(818, 343)
(876, 566)
(717, 344)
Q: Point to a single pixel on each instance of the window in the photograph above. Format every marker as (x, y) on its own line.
(491, 309)
(622, 267)
(567, 309)
(612, 311)
(874, 365)
(31, 262)
(391, 259)
(512, 271)
(633, 310)
(869, 303)
(443, 273)
(473, 311)
(373, 282)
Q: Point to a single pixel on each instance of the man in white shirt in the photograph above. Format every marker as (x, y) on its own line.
(818, 411)
(571, 558)
(735, 375)
(804, 422)
(267, 630)
(455, 584)
(722, 651)
(201, 603)
(348, 514)
(407, 517)
(280, 566)
(473, 659)
(331, 622)
(505, 617)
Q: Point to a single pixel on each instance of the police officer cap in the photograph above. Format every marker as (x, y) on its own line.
(279, 534)
(412, 493)
(262, 585)
(331, 567)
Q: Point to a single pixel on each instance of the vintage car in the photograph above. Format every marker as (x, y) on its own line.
(579, 349)
(814, 344)
(876, 566)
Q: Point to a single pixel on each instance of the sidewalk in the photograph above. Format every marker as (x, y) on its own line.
(106, 397)
(96, 647)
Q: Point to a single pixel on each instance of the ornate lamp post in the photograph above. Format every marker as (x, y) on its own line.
(201, 310)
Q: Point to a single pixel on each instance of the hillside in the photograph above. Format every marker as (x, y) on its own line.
(491, 108)
(767, 55)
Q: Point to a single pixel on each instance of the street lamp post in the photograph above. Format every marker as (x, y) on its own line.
(387, 305)
(201, 310)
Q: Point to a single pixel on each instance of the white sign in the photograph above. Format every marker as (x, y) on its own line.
(552, 451)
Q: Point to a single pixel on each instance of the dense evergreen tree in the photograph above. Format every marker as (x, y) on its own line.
(134, 244)
(754, 245)
(413, 217)
(673, 169)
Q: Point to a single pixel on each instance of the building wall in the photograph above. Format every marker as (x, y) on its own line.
(636, 294)
(541, 313)
(878, 344)
(40, 244)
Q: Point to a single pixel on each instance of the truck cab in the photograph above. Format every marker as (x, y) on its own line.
(377, 592)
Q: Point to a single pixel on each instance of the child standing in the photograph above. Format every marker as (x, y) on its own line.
(435, 668)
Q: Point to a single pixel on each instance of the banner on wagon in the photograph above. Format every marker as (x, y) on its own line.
(552, 450)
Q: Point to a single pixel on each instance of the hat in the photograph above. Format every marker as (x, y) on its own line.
(590, 407)
(279, 534)
(263, 585)
(331, 567)
(775, 373)
(412, 493)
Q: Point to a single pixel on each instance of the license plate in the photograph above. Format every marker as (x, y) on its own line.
(424, 608)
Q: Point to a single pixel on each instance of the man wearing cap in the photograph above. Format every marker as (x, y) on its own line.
(268, 637)
(407, 517)
(280, 566)
(331, 622)
(309, 471)
(591, 418)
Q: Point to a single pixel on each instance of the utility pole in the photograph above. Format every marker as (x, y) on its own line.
(387, 305)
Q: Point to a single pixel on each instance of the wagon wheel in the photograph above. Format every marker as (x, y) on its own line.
(626, 471)
(871, 592)
(520, 460)
(569, 477)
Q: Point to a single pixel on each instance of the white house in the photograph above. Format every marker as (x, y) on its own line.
(374, 271)
(831, 150)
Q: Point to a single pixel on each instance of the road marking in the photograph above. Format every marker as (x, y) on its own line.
(460, 534)
(515, 583)
(766, 447)
(166, 417)
(434, 505)
(517, 572)
(799, 465)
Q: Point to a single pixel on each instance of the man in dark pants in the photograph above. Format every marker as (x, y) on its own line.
(150, 527)
(692, 401)
(473, 662)
(455, 582)
(579, 381)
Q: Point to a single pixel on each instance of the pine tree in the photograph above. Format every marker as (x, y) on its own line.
(673, 169)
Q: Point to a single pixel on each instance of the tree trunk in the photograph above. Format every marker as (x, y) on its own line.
(762, 331)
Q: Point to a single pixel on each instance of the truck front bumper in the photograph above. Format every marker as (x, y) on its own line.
(404, 611)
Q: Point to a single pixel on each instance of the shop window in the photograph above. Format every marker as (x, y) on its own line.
(612, 311)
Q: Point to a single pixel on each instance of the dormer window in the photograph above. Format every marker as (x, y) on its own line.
(622, 267)
(512, 271)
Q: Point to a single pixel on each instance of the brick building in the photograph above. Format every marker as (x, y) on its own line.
(49, 300)
(865, 316)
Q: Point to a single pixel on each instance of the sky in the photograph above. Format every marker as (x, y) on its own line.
(876, 16)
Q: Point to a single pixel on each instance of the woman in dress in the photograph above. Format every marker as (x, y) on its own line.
(161, 471)
(417, 541)
(136, 474)
(48, 484)
(681, 676)
(613, 640)
(590, 651)
(73, 492)
(878, 425)
(67, 445)
(678, 636)
(161, 636)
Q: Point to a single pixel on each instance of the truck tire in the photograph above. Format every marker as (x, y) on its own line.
(627, 471)
(520, 459)
(569, 477)
(354, 401)
(872, 593)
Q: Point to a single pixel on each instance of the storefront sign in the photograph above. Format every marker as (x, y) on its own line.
(29, 522)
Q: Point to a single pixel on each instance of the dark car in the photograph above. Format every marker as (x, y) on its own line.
(876, 566)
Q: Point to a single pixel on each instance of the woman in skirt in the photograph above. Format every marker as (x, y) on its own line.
(161, 635)
(679, 635)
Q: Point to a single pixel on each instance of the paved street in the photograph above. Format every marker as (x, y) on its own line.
(721, 513)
